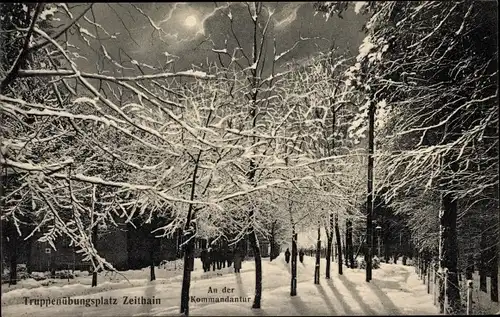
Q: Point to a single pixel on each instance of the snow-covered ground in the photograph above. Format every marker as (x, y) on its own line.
(394, 290)
(81, 284)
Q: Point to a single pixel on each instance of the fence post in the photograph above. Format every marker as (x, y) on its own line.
(469, 297)
(445, 291)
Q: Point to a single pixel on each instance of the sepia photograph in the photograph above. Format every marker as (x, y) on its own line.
(334, 158)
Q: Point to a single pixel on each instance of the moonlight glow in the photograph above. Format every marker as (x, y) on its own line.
(190, 21)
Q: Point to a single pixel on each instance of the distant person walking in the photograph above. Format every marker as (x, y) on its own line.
(287, 255)
(301, 256)
(237, 261)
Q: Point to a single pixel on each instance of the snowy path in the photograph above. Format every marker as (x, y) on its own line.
(395, 290)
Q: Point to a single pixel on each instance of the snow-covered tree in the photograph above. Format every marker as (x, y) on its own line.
(432, 66)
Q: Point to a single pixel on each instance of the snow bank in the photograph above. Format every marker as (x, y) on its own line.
(16, 296)
(81, 285)
(394, 290)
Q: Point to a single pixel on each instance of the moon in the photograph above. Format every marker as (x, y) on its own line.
(190, 21)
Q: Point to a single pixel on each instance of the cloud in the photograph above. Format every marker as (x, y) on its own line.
(176, 36)
(211, 14)
(163, 27)
(287, 15)
(172, 28)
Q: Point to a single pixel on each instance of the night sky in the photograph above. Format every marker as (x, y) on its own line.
(186, 33)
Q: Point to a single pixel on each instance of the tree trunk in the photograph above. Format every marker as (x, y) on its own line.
(494, 275)
(94, 241)
(293, 286)
(496, 262)
(152, 271)
(329, 247)
(492, 262)
(329, 254)
(440, 287)
(318, 257)
(425, 265)
(154, 245)
(254, 243)
(369, 200)
(188, 238)
(29, 266)
(346, 259)
(178, 236)
(186, 279)
(339, 243)
(272, 251)
(482, 263)
(419, 264)
(449, 248)
(152, 275)
(12, 254)
(349, 245)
